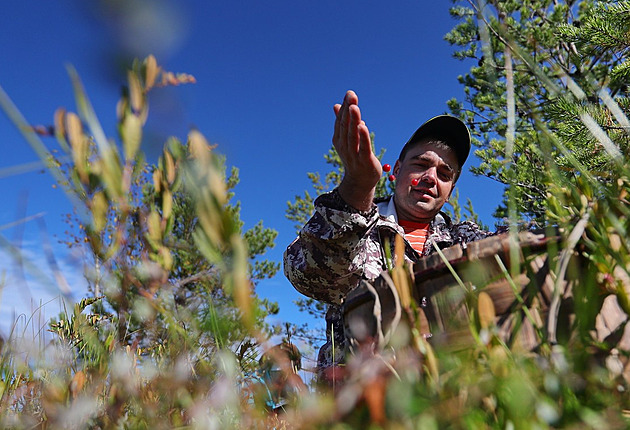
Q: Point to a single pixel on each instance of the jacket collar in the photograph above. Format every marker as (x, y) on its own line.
(387, 209)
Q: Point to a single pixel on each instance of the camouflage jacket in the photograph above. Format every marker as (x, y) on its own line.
(339, 246)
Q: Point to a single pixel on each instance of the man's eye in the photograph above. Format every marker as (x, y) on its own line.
(446, 175)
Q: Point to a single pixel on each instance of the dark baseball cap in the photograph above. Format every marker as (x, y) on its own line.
(444, 127)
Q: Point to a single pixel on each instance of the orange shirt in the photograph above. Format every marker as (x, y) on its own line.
(416, 233)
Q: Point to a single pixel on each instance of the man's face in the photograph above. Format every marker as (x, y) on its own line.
(434, 168)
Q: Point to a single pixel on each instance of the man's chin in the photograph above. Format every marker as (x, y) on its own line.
(425, 211)
(426, 202)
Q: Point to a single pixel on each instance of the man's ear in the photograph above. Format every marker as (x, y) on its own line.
(450, 192)
(396, 168)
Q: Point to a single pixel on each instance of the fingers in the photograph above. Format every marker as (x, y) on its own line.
(351, 136)
(342, 117)
(337, 129)
(354, 131)
(351, 139)
(365, 143)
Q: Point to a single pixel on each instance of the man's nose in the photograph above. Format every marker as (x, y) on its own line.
(430, 176)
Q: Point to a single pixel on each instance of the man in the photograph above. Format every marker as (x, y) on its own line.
(343, 243)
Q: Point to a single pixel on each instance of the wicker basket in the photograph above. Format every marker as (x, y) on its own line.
(485, 266)
(522, 301)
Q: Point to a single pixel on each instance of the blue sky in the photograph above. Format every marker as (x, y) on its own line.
(268, 74)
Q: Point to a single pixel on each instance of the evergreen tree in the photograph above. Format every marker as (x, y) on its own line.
(162, 237)
(198, 288)
(534, 62)
(454, 210)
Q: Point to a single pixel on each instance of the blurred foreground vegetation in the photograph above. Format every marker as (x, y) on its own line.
(172, 333)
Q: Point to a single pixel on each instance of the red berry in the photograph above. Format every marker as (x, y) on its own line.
(387, 167)
(414, 182)
(392, 178)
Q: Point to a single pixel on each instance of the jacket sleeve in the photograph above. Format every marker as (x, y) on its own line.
(444, 233)
(468, 231)
(329, 256)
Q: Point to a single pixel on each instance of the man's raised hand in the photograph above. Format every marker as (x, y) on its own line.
(362, 168)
